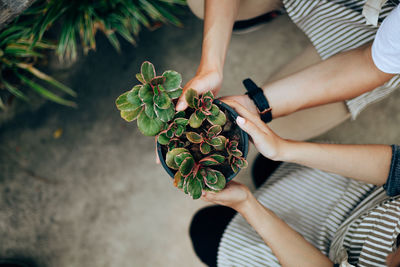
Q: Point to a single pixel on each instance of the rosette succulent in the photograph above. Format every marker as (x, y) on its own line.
(203, 109)
(208, 140)
(235, 158)
(151, 102)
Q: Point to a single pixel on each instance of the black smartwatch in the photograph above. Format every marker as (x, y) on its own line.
(257, 95)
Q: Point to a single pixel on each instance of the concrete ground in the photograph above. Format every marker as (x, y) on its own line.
(94, 197)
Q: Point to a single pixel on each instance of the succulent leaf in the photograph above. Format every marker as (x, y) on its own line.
(194, 137)
(211, 178)
(163, 139)
(181, 157)
(140, 78)
(173, 80)
(209, 94)
(221, 182)
(146, 94)
(130, 115)
(194, 188)
(148, 71)
(181, 121)
(235, 167)
(149, 109)
(208, 161)
(216, 141)
(162, 100)
(148, 126)
(222, 146)
(170, 157)
(179, 130)
(241, 162)
(195, 121)
(205, 148)
(219, 158)
(190, 95)
(175, 94)
(178, 180)
(220, 119)
(213, 131)
(214, 110)
(200, 114)
(207, 103)
(165, 115)
(159, 80)
(129, 100)
(180, 114)
(186, 166)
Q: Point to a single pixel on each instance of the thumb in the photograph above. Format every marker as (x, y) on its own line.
(181, 104)
(248, 126)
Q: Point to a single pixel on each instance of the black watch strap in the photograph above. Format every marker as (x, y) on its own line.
(257, 95)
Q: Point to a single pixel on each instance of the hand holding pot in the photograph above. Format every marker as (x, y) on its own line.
(234, 195)
(265, 140)
(203, 81)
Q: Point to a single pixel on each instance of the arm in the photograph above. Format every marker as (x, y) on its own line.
(340, 77)
(288, 246)
(343, 76)
(218, 23)
(367, 163)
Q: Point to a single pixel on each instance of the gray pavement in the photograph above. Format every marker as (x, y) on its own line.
(94, 196)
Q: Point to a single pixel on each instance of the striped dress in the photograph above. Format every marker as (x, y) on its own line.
(315, 204)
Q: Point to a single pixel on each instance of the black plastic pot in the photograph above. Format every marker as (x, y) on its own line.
(243, 140)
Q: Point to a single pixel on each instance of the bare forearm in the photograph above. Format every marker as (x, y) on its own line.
(367, 163)
(343, 76)
(218, 22)
(288, 246)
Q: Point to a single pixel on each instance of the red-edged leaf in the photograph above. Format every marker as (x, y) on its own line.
(214, 131)
(157, 80)
(194, 137)
(181, 157)
(205, 148)
(186, 166)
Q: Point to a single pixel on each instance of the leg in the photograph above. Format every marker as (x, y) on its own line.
(248, 8)
(308, 123)
(206, 230)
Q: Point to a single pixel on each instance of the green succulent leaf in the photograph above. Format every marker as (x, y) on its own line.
(129, 100)
(173, 80)
(170, 157)
(190, 95)
(236, 153)
(148, 126)
(181, 157)
(219, 158)
(175, 94)
(194, 121)
(165, 115)
(162, 100)
(181, 121)
(208, 161)
(235, 167)
(223, 141)
(205, 148)
(180, 114)
(200, 114)
(178, 180)
(214, 131)
(150, 112)
(220, 119)
(179, 130)
(146, 94)
(209, 94)
(241, 162)
(159, 80)
(194, 137)
(148, 71)
(186, 166)
(140, 78)
(186, 182)
(163, 139)
(207, 103)
(216, 141)
(214, 110)
(194, 188)
(211, 177)
(131, 115)
(221, 182)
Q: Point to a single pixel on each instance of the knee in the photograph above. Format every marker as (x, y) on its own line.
(197, 7)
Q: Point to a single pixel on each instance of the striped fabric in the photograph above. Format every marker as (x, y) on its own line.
(336, 26)
(315, 204)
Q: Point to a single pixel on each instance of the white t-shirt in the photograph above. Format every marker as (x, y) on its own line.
(386, 46)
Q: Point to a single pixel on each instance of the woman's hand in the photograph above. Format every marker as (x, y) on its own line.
(265, 140)
(234, 195)
(203, 81)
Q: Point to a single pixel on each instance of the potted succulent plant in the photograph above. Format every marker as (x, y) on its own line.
(202, 148)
